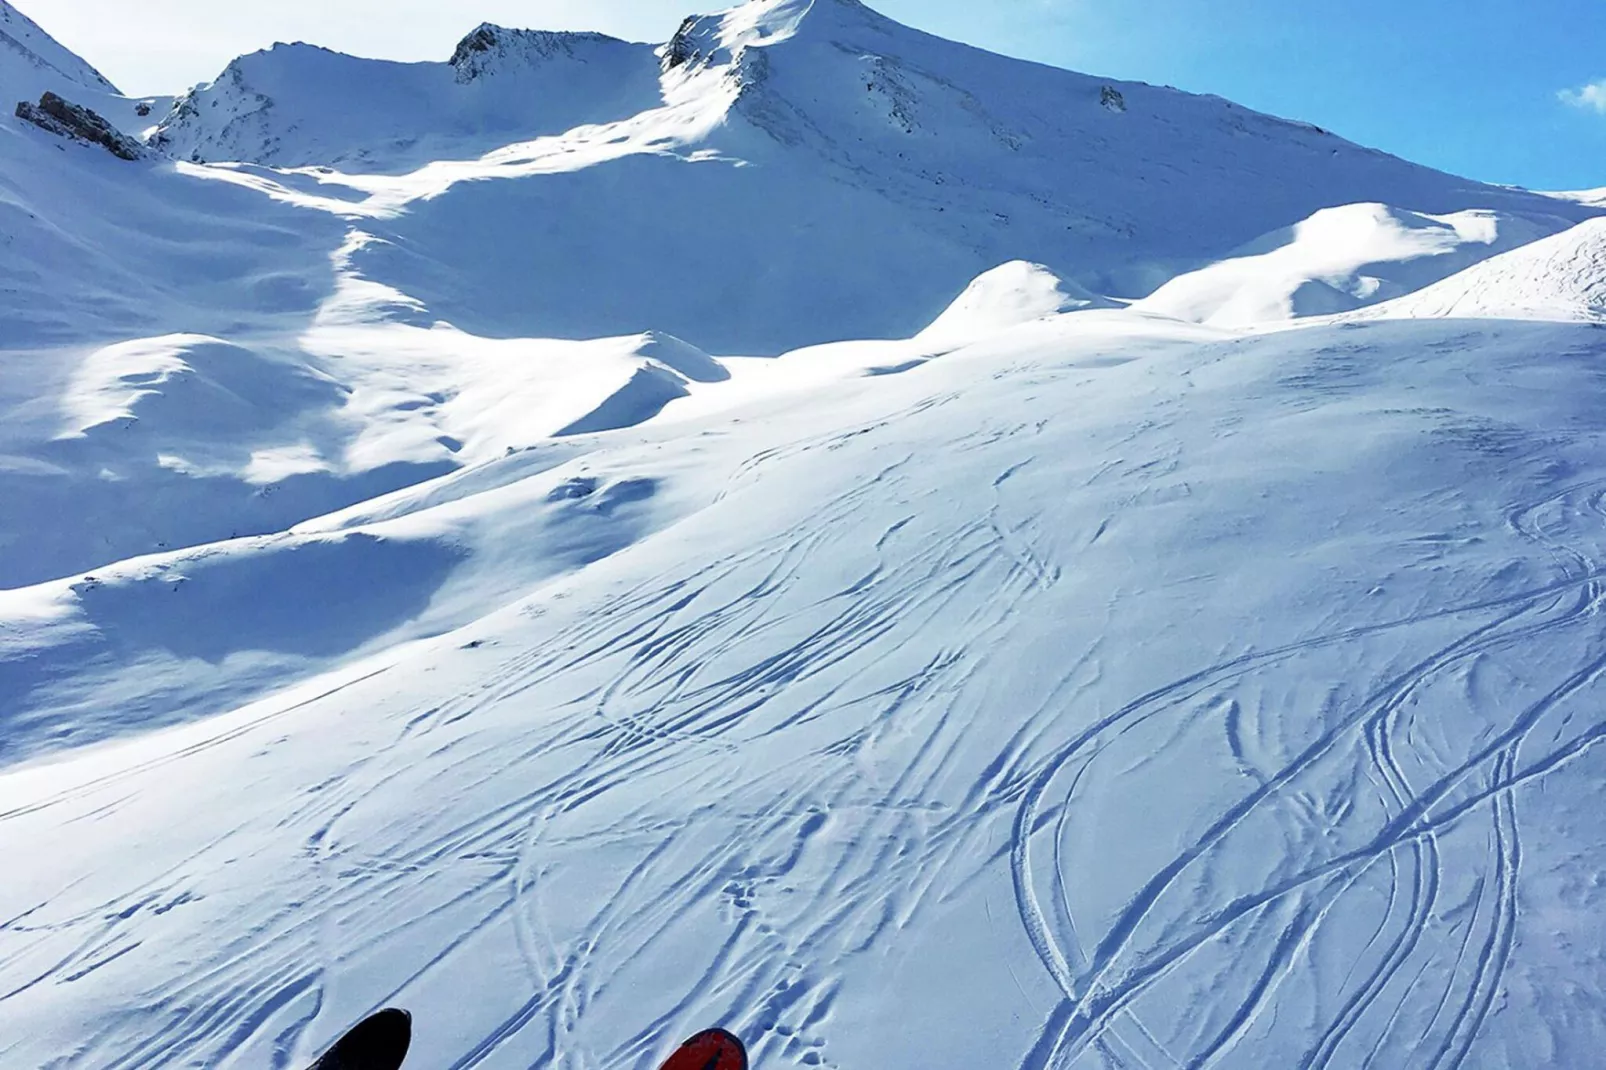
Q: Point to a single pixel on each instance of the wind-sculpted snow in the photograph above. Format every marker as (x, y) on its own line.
(1341, 259)
(101, 250)
(140, 644)
(1560, 278)
(1595, 197)
(1232, 703)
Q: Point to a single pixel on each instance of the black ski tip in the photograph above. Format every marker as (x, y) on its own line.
(378, 1042)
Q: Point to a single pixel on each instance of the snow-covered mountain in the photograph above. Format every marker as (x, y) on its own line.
(31, 61)
(805, 527)
(299, 105)
(869, 151)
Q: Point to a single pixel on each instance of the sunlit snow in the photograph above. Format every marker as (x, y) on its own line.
(919, 558)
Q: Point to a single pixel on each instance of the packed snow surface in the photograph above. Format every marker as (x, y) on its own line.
(922, 559)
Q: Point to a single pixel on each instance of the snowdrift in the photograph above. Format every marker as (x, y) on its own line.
(1560, 278)
(1338, 260)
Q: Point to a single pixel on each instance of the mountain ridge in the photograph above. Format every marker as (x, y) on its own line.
(22, 41)
(870, 150)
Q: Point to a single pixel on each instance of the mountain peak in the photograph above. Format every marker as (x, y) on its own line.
(763, 22)
(489, 46)
(705, 39)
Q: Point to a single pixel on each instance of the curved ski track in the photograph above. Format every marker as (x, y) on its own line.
(1102, 1012)
(868, 752)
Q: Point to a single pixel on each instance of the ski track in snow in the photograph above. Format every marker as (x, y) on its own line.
(1097, 1002)
(1063, 686)
(862, 764)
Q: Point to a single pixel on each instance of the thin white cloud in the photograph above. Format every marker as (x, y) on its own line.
(1591, 97)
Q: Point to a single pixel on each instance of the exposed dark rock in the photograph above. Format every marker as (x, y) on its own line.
(66, 119)
(184, 111)
(681, 49)
(1111, 98)
(491, 47)
(482, 39)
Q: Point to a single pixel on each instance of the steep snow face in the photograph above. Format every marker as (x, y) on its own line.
(879, 158)
(1560, 278)
(1142, 175)
(1340, 259)
(99, 250)
(297, 105)
(721, 39)
(31, 61)
(491, 50)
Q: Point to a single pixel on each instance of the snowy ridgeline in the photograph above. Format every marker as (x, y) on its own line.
(803, 528)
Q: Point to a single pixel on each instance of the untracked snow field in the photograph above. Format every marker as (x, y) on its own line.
(924, 560)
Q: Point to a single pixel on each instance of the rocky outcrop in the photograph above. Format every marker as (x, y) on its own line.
(66, 119)
(682, 49)
(489, 46)
(240, 129)
(482, 39)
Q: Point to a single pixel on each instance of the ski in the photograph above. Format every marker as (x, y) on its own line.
(712, 1050)
(378, 1042)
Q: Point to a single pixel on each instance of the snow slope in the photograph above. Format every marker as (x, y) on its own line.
(1021, 699)
(32, 61)
(586, 543)
(1595, 197)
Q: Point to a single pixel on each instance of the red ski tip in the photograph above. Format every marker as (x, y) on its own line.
(713, 1050)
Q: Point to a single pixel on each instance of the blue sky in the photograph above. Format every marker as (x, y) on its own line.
(1471, 86)
(1501, 90)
